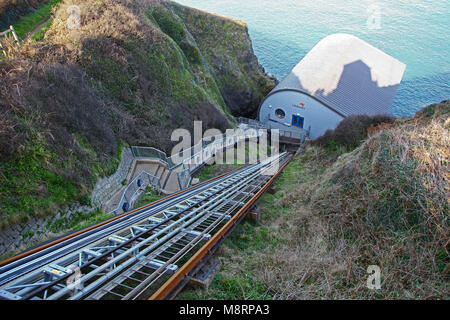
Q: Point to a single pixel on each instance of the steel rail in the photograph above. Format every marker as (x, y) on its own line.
(105, 254)
(134, 219)
(193, 215)
(215, 195)
(128, 242)
(136, 291)
(110, 229)
(153, 277)
(116, 270)
(103, 223)
(183, 272)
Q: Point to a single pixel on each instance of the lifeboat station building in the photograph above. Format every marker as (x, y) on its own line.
(341, 76)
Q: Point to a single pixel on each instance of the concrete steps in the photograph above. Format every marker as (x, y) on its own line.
(153, 167)
(114, 201)
(164, 178)
(171, 185)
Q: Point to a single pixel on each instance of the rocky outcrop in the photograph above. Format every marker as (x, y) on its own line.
(227, 48)
(133, 72)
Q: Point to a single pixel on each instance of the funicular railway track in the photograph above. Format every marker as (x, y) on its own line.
(146, 253)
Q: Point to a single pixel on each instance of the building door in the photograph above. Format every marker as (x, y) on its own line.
(298, 121)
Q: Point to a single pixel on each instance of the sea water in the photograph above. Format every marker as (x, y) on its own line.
(416, 32)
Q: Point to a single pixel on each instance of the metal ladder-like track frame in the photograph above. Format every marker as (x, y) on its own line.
(127, 262)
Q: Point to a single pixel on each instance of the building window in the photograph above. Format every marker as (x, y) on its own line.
(298, 121)
(280, 113)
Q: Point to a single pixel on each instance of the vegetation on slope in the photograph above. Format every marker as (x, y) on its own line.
(241, 80)
(130, 75)
(151, 194)
(12, 10)
(385, 203)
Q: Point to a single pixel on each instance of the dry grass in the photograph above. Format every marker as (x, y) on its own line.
(353, 130)
(12, 10)
(386, 203)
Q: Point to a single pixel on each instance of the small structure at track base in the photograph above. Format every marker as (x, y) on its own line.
(341, 76)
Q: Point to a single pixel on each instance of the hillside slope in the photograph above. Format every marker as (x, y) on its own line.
(129, 75)
(337, 211)
(12, 10)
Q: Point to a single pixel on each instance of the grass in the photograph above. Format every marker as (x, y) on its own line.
(12, 10)
(237, 278)
(39, 35)
(168, 24)
(151, 194)
(230, 287)
(78, 221)
(29, 188)
(217, 169)
(34, 19)
(351, 131)
(333, 215)
(108, 167)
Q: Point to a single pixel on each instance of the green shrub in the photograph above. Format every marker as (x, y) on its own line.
(168, 24)
(175, 30)
(351, 131)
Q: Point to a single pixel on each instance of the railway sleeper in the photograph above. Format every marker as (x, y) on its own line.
(156, 264)
(192, 234)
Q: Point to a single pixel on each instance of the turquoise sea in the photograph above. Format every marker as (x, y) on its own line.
(416, 32)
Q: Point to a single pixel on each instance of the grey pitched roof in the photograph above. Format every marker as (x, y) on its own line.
(347, 74)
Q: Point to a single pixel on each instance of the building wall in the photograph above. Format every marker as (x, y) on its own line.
(315, 114)
(348, 74)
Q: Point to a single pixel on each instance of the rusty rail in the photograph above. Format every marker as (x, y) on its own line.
(72, 235)
(170, 285)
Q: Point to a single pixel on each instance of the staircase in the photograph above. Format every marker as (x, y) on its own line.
(168, 180)
(153, 166)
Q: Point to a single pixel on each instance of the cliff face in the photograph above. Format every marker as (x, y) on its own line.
(134, 71)
(340, 208)
(229, 56)
(11, 10)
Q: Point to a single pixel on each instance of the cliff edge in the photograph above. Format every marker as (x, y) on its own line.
(128, 72)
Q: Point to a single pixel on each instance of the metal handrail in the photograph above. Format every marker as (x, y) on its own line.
(252, 123)
(193, 159)
(139, 183)
(208, 148)
(206, 145)
(302, 135)
(184, 178)
(4, 33)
